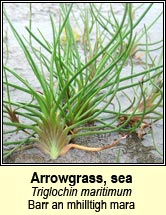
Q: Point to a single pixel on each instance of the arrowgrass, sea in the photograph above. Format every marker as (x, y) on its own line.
(79, 96)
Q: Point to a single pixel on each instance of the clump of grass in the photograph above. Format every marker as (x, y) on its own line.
(76, 100)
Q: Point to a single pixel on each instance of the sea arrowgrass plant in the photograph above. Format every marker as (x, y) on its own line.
(76, 100)
(148, 95)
